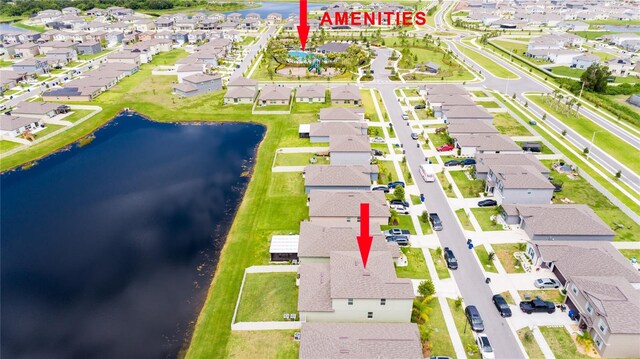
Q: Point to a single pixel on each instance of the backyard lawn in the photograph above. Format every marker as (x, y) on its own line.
(464, 219)
(441, 266)
(483, 216)
(561, 344)
(483, 255)
(551, 295)
(507, 125)
(299, 159)
(47, 130)
(76, 115)
(404, 222)
(262, 344)
(530, 344)
(266, 297)
(505, 252)
(417, 268)
(468, 188)
(468, 339)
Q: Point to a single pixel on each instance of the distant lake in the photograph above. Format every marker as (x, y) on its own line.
(5, 27)
(282, 8)
(107, 250)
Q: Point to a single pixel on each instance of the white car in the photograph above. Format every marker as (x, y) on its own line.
(377, 140)
(484, 346)
(545, 283)
(399, 208)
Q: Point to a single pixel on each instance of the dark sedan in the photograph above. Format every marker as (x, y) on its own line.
(384, 189)
(395, 184)
(468, 162)
(537, 306)
(452, 163)
(487, 203)
(502, 306)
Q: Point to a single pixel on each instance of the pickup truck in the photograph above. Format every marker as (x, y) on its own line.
(537, 306)
(397, 232)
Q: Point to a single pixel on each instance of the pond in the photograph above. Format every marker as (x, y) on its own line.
(282, 8)
(108, 250)
(8, 27)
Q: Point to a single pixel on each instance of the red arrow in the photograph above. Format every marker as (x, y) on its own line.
(364, 239)
(303, 28)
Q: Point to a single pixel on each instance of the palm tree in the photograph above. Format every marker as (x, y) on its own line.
(421, 310)
(559, 99)
(394, 219)
(578, 105)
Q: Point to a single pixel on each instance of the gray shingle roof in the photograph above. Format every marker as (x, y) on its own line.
(472, 126)
(450, 99)
(360, 341)
(314, 294)
(347, 203)
(318, 240)
(521, 177)
(349, 143)
(275, 92)
(11, 123)
(240, 92)
(338, 175)
(336, 128)
(466, 112)
(488, 142)
(346, 92)
(484, 160)
(340, 114)
(313, 91)
(35, 108)
(561, 219)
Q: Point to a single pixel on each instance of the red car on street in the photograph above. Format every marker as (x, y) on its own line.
(444, 148)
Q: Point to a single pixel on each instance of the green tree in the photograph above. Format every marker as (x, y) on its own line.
(426, 288)
(398, 193)
(595, 78)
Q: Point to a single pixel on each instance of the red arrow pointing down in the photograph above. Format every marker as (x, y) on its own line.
(364, 239)
(303, 28)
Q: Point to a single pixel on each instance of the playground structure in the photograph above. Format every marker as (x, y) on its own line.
(315, 65)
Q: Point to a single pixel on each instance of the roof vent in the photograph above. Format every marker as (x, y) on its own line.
(344, 351)
(344, 337)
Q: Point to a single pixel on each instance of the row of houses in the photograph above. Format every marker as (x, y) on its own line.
(29, 117)
(570, 239)
(245, 91)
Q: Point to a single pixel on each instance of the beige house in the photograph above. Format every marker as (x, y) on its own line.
(241, 90)
(311, 93)
(349, 150)
(347, 94)
(343, 291)
(274, 95)
(344, 207)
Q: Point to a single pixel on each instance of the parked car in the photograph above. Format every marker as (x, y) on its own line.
(445, 148)
(502, 306)
(405, 117)
(377, 140)
(399, 208)
(452, 163)
(397, 232)
(484, 347)
(419, 107)
(474, 318)
(401, 240)
(487, 203)
(395, 184)
(377, 152)
(545, 283)
(436, 223)
(537, 306)
(450, 258)
(384, 189)
(414, 136)
(468, 162)
(400, 202)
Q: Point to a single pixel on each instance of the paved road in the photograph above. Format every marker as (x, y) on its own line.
(527, 83)
(469, 277)
(254, 50)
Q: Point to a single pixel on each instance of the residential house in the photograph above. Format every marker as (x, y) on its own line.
(454, 113)
(470, 127)
(339, 177)
(470, 145)
(317, 241)
(344, 207)
(89, 48)
(337, 340)
(620, 66)
(563, 56)
(518, 184)
(558, 222)
(333, 47)
(350, 150)
(602, 291)
(188, 70)
(241, 90)
(26, 50)
(485, 160)
(446, 89)
(198, 84)
(347, 94)
(343, 291)
(321, 132)
(61, 56)
(583, 62)
(13, 126)
(341, 114)
(274, 18)
(31, 65)
(39, 109)
(311, 93)
(274, 95)
(125, 57)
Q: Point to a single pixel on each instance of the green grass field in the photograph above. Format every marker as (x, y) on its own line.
(441, 266)
(8, 145)
(567, 71)
(464, 219)
(504, 252)
(561, 344)
(530, 345)
(299, 159)
(369, 106)
(417, 268)
(483, 216)
(262, 344)
(468, 188)
(267, 296)
(446, 185)
(631, 253)
(552, 295)
(483, 255)
(439, 338)
(507, 125)
(494, 68)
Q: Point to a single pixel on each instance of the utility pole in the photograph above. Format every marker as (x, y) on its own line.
(581, 89)
(591, 145)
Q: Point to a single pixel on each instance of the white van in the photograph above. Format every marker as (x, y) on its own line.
(427, 172)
